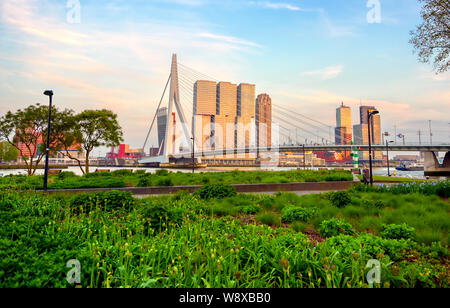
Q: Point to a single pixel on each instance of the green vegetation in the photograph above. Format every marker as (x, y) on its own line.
(162, 177)
(236, 241)
(442, 189)
(83, 132)
(377, 178)
(8, 152)
(334, 227)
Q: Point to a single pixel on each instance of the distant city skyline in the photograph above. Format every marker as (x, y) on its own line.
(309, 55)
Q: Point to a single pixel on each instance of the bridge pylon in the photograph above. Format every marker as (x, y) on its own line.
(171, 138)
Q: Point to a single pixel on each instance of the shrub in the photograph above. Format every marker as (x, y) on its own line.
(340, 198)
(165, 182)
(140, 172)
(66, 174)
(108, 201)
(159, 216)
(122, 172)
(97, 174)
(369, 245)
(334, 227)
(162, 172)
(267, 202)
(293, 213)
(397, 232)
(269, 218)
(144, 181)
(215, 191)
(251, 209)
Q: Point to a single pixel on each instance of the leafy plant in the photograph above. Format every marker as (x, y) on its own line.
(394, 231)
(251, 209)
(294, 213)
(165, 182)
(340, 198)
(334, 227)
(215, 191)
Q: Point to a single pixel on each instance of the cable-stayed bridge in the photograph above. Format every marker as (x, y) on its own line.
(291, 131)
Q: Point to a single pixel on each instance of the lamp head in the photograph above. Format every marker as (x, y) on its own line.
(48, 93)
(374, 112)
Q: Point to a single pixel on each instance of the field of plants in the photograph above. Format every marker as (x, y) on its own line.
(162, 177)
(217, 238)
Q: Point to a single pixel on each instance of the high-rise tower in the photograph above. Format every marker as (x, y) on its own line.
(263, 119)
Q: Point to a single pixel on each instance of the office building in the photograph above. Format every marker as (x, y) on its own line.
(263, 119)
(343, 131)
(361, 133)
(162, 124)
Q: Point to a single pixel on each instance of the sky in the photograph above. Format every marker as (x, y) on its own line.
(309, 55)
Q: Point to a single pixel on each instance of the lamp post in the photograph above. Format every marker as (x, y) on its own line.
(48, 93)
(369, 124)
(193, 155)
(387, 150)
(304, 158)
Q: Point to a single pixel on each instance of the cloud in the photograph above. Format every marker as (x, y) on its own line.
(276, 5)
(228, 39)
(90, 66)
(326, 73)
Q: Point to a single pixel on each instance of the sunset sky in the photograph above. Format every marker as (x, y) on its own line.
(309, 55)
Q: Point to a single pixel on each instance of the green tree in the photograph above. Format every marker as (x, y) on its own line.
(26, 130)
(69, 138)
(8, 152)
(96, 128)
(431, 39)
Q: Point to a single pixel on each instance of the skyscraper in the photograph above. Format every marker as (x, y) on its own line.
(263, 119)
(245, 135)
(162, 123)
(204, 112)
(361, 132)
(226, 107)
(205, 97)
(344, 131)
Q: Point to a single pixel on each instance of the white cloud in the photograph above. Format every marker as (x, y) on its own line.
(276, 5)
(326, 73)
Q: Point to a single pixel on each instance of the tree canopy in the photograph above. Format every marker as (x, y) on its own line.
(26, 131)
(431, 39)
(8, 152)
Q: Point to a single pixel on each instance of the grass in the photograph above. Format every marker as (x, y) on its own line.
(184, 241)
(384, 179)
(128, 178)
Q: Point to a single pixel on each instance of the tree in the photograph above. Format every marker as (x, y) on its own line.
(8, 152)
(431, 39)
(69, 137)
(96, 128)
(25, 130)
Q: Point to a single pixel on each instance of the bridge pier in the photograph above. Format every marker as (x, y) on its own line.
(432, 166)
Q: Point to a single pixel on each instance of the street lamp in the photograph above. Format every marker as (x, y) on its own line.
(48, 93)
(193, 155)
(387, 150)
(369, 124)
